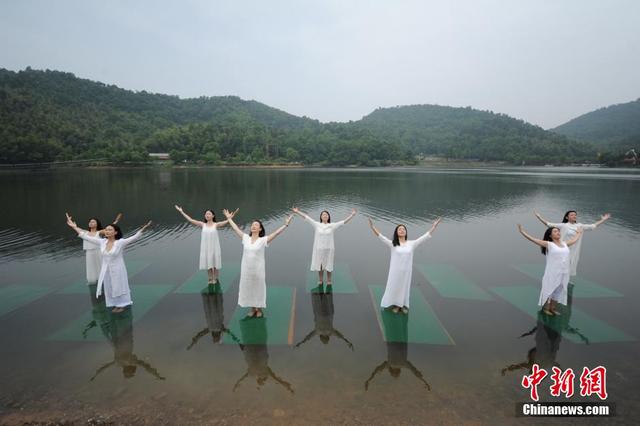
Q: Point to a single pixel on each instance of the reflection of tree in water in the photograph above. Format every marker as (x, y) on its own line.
(118, 329)
(322, 304)
(254, 348)
(213, 304)
(397, 333)
(548, 334)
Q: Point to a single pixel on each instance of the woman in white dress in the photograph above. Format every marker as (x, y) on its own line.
(323, 246)
(398, 287)
(113, 277)
(92, 251)
(569, 229)
(555, 281)
(210, 255)
(253, 286)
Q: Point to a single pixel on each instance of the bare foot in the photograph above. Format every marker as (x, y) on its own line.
(395, 309)
(405, 310)
(259, 314)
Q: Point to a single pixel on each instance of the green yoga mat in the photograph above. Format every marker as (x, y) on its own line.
(451, 283)
(583, 287)
(341, 277)
(90, 325)
(275, 328)
(574, 324)
(420, 325)
(13, 297)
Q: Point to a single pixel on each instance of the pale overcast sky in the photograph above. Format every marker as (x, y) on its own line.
(544, 61)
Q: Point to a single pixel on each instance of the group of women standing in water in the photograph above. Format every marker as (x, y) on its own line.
(104, 247)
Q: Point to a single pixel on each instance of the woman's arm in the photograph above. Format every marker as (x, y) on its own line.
(602, 220)
(186, 216)
(303, 215)
(353, 213)
(230, 221)
(541, 243)
(544, 222)
(377, 233)
(373, 228)
(574, 239)
(126, 241)
(74, 226)
(428, 234)
(224, 222)
(279, 230)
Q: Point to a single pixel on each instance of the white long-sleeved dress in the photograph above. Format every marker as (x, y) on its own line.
(113, 279)
(210, 255)
(398, 288)
(253, 286)
(568, 231)
(93, 260)
(323, 246)
(555, 281)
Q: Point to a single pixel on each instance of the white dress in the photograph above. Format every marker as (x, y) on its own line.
(113, 272)
(398, 288)
(555, 281)
(93, 260)
(253, 286)
(568, 231)
(323, 247)
(210, 256)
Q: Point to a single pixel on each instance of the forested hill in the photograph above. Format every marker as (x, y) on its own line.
(617, 125)
(55, 116)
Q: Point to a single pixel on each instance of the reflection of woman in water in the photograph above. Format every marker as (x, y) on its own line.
(555, 282)
(113, 271)
(210, 255)
(569, 228)
(254, 348)
(92, 251)
(396, 327)
(253, 286)
(214, 313)
(323, 247)
(322, 304)
(121, 338)
(398, 288)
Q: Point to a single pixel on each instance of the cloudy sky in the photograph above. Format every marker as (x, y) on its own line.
(544, 61)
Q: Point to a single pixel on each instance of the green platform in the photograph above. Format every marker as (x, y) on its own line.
(451, 283)
(197, 283)
(80, 286)
(525, 298)
(421, 325)
(13, 297)
(341, 278)
(583, 287)
(144, 298)
(275, 328)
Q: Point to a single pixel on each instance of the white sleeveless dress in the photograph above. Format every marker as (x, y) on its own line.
(253, 285)
(555, 282)
(93, 260)
(323, 246)
(210, 256)
(568, 231)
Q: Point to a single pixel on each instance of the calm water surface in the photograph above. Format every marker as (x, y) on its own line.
(322, 357)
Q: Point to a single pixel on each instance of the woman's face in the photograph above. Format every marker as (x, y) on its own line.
(555, 234)
(208, 215)
(93, 224)
(324, 217)
(573, 217)
(109, 231)
(255, 227)
(402, 231)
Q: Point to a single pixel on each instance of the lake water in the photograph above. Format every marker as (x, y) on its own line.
(457, 357)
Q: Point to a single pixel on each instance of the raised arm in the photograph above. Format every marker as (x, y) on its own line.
(126, 241)
(541, 243)
(377, 233)
(353, 213)
(82, 233)
(224, 222)
(117, 219)
(540, 218)
(73, 225)
(428, 234)
(230, 221)
(279, 230)
(186, 216)
(373, 228)
(575, 239)
(602, 220)
(303, 215)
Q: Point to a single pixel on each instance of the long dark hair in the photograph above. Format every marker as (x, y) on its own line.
(328, 214)
(212, 212)
(547, 237)
(396, 239)
(262, 232)
(565, 219)
(117, 229)
(98, 223)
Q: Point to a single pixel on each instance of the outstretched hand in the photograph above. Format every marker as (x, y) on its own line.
(295, 210)
(235, 211)
(605, 216)
(178, 208)
(520, 227)
(148, 224)
(70, 221)
(288, 219)
(227, 214)
(436, 223)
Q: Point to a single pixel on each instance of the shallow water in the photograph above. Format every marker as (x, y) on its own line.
(473, 285)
